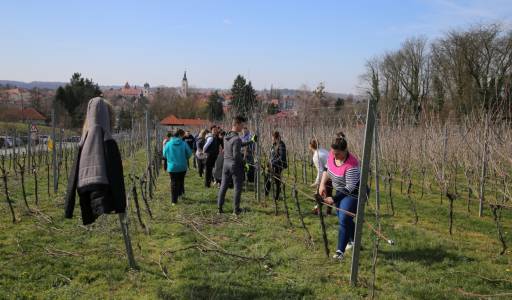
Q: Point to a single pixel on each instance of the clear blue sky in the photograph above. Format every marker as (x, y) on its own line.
(284, 43)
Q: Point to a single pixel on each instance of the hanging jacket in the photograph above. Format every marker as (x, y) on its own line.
(177, 153)
(97, 172)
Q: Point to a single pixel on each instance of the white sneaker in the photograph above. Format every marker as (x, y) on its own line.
(349, 246)
(338, 255)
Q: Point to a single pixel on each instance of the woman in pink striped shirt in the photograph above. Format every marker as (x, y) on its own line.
(343, 170)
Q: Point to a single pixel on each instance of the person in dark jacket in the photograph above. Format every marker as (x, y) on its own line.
(211, 149)
(97, 173)
(219, 163)
(278, 162)
(233, 166)
(190, 140)
(166, 139)
(177, 153)
(248, 155)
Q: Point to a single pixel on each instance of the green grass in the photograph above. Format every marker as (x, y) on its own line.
(22, 129)
(59, 259)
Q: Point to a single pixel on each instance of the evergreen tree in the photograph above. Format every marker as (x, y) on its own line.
(125, 119)
(272, 109)
(75, 96)
(340, 102)
(244, 96)
(215, 111)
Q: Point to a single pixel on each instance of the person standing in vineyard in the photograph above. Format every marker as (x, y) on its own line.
(343, 169)
(190, 140)
(177, 153)
(278, 162)
(166, 139)
(211, 148)
(200, 155)
(233, 165)
(320, 160)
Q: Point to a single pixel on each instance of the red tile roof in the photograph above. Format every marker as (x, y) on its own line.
(32, 114)
(27, 114)
(172, 120)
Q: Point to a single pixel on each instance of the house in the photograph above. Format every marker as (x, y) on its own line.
(128, 91)
(27, 114)
(172, 122)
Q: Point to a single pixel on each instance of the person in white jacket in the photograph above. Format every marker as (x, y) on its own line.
(320, 161)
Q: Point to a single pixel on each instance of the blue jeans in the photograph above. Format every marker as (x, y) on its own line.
(347, 226)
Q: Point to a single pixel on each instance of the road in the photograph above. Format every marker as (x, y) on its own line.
(35, 148)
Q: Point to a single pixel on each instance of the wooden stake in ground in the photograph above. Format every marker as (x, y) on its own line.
(370, 120)
(319, 202)
(123, 220)
(6, 191)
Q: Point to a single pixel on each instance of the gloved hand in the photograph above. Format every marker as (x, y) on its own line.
(246, 167)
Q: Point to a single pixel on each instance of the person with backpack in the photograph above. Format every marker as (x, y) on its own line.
(177, 153)
(233, 165)
(278, 162)
(343, 171)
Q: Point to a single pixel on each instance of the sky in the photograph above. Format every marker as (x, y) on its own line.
(284, 44)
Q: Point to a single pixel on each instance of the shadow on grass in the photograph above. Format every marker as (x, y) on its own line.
(207, 291)
(425, 256)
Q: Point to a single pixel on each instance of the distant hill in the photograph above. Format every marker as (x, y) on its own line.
(33, 84)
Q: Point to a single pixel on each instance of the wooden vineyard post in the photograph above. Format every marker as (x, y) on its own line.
(123, 220)
(54, 151)
(370, 126)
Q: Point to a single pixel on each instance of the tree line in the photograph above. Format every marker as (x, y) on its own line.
(463, 72)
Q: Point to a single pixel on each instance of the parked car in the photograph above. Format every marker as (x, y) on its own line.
(6, 142)
(74, 139)
(43, 139)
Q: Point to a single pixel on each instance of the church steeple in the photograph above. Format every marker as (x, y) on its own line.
(184, 85)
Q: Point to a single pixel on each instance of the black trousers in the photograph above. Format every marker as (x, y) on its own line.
(201, 165)
(177, 185)
(273, 176)
(210, 163)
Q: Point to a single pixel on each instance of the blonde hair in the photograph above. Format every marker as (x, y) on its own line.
(202, 133)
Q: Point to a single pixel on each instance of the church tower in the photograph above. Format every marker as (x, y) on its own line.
(184, 85)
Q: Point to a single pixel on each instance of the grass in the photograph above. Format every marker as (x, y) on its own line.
(7, 128)
(60, 259)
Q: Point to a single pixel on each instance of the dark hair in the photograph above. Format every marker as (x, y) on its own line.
(276, 135)
(213, 126)
(169, 134)
(339, 142)
(179, 133)
(239, 120)
(313, 143)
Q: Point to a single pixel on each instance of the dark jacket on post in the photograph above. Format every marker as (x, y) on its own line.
(97, 173)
